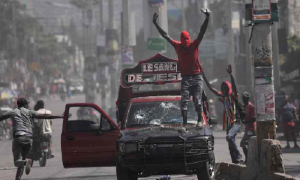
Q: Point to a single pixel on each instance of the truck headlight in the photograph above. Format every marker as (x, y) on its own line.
(132, 147)
(128, 147)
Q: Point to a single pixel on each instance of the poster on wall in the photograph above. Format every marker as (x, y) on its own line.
(265, 100)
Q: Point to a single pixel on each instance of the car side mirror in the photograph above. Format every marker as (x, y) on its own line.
(95, 127)
(212, 121)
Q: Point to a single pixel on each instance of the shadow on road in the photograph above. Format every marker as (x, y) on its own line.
(292, 150)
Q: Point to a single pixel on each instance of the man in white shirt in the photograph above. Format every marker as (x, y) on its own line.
(45, 125)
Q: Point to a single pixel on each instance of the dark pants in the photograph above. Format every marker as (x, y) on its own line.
(192, 86)
(20, 148)
(245, 142)
(234, 152)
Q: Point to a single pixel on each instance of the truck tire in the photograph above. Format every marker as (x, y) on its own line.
(123, 173)
(208, 171)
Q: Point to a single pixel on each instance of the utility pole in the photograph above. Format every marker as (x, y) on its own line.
(275, 45)
(230, 37)
(111, 14)
(249, 64)
(263, 75)
(14, 30)
(183, 16)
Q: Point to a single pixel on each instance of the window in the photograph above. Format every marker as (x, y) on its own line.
(159, 112)
(82, 118)
(105, 125)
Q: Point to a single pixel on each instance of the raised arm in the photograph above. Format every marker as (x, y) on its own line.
(229, 70)
(203, 27)
(209, 85)
(163, 33)
(4, 116)
(47, 116)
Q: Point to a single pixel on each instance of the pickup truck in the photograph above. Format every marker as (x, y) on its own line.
(147, 138)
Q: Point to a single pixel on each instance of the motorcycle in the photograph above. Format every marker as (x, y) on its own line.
(40, 149)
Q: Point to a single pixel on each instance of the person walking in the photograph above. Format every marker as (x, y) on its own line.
(231, 117)
(249, 122)
(190, 68)
(22, 119)
(288, 117)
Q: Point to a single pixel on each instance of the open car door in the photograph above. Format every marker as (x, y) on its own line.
(88, 137)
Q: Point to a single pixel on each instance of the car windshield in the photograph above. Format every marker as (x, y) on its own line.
(159, 113)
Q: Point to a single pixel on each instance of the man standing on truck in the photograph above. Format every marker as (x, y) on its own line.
(231, 117)
(22, 119)
(190, 68)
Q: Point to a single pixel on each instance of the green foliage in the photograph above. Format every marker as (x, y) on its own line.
(294, 43)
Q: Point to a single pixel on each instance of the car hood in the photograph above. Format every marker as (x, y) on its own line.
(167, 132)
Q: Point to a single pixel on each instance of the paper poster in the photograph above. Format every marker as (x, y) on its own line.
(265, 99)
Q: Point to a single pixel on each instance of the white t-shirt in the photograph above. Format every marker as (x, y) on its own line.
(46, 123)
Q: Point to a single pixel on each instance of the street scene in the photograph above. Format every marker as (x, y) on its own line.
(151, 89)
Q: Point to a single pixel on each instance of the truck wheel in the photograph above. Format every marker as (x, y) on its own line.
(123, 173)
(208, 171)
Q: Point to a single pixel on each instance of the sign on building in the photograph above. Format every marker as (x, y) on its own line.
(156, 70)
(261, 10)
(156, 44)
(127, 55)
(156, 2)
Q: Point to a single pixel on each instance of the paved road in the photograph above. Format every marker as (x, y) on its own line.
(54, 169)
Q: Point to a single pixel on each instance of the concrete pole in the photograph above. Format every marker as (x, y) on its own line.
(83, 33)
(126, 21)
(183, 16)
(277, 81)
(249, 64)
(15, 42)
(102, 27)
(264, 87)
(110, 14)
(230, 37)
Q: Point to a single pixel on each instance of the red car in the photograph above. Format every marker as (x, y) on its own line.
(147, 140)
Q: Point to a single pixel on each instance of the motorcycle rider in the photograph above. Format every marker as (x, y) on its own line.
(22, 119)
(44, 126)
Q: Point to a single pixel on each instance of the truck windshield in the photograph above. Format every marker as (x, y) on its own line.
(159, 113)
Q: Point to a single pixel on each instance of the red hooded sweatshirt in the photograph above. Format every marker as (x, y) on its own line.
(188, 54)
(228, 101)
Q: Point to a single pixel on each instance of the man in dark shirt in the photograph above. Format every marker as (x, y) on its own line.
(22, 119)
(249, 122)
(190, 68)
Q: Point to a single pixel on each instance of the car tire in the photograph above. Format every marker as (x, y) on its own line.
(208, 171)
(124, 173)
